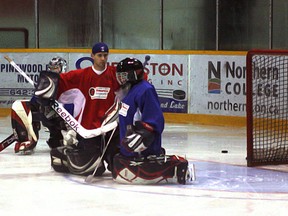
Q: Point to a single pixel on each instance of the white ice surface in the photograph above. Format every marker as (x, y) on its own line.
(224, 185)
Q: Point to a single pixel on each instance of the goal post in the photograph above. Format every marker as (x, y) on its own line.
(267, 107)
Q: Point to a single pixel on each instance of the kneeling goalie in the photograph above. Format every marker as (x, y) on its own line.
(27, 115)
(142, 160)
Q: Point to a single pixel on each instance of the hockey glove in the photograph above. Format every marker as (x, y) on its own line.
(138, 137)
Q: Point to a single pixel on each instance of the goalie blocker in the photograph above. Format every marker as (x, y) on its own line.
(152, 170)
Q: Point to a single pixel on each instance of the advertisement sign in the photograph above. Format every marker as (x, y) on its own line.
(168, 74)
(13, 85)
(218, 85)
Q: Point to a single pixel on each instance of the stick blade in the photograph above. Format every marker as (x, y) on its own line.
(7, 142)
(89, 179)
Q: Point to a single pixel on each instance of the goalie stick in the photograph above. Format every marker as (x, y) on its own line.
(7, 142)
(89, 178)
(66, 116)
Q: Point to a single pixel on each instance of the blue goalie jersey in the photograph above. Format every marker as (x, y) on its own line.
(141, 104)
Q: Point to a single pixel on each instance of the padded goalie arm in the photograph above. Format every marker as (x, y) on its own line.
(139, 137)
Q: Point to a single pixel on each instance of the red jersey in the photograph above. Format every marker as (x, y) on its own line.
(92, 93)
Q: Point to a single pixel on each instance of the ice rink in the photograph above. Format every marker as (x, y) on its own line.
(224, 185)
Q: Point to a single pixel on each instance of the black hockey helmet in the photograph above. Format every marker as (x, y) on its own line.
(57, 62)
(129, 70)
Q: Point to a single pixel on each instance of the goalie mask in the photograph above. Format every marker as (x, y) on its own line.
(129, 70)
(58, 65)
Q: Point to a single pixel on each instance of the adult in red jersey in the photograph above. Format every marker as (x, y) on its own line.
(93, 86)
(92, 91)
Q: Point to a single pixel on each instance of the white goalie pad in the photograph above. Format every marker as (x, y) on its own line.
(23, 116)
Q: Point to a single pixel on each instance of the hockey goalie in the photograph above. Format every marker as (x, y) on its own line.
(142, 160)
(27, 115)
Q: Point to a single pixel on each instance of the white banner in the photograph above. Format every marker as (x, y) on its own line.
(14, 86)
(218, 85)
(198, 84)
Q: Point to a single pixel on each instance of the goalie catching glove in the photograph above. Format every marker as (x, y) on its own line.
(139, 137)
(46, 88)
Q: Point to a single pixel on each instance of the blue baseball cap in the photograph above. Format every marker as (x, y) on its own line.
(100, 47)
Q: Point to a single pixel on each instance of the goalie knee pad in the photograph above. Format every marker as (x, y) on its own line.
(151, 170)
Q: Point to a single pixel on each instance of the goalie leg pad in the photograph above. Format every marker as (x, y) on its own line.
(69, 159)
(83, 162)
(24, 126)
(150, 170)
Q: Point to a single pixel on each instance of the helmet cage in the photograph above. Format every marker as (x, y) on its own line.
(57, 62)
(129, 70)
(129, 76)
(122, 77)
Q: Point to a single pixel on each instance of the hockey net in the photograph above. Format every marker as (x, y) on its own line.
(267, 107)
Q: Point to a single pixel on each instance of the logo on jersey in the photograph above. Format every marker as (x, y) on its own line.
(99, 92)
(124, 109)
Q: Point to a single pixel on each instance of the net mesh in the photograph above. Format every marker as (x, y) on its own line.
(269, 109)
